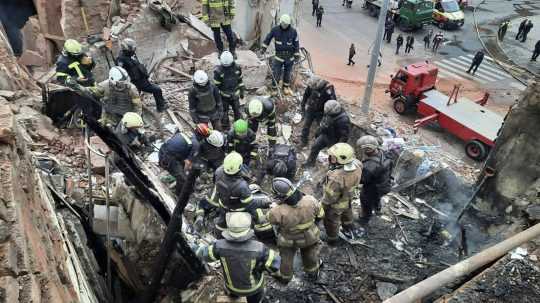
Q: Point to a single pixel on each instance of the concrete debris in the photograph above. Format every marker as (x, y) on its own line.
(7, 124)
(7, 94)
(119, 224)
(31, 58)
(98, 162)
(386, 290)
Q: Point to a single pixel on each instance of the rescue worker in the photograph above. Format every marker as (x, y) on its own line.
(335, 127)
(241, 139)
(536, 51)
(399, 43)
(118, 96)
(503, 27)
(243, 259)
(218, 14)
(205, 101)
(342, 179)
(409, 45)
(281, 162)
(228, 79)
(437, 40)
(295, 218)
(73, 66)
(320, 13)
(212, 150)
(521, 28)
(388, 30)
(526, 30)
(315, 96)
(231, 193)
(138, 74)
(476, 61)
(129, 131)
(376, 172)
(263, 111)
(287, 52)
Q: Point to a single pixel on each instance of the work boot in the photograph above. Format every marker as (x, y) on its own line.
(287, 91)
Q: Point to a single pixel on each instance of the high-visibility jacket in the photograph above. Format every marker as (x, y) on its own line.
(218, 12)
(285, 41)
(341, 184)
(68, 67)
(228, 79)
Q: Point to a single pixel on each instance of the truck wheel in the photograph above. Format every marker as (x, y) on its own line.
(400, 106)
(476, 150)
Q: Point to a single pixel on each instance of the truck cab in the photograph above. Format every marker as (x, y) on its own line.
(448, 14)
(410, 82)
(407, 14)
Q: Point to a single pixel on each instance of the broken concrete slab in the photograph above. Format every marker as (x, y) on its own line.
(386, 290)
(119, 224)
(254, 70)
(31, 58)
(9, 289)
(8, 259)
(7, 125)
(7, 94)
(98, 162)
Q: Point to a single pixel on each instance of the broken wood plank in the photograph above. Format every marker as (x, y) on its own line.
(174, 119)
(177, 71)
(352, 258)
(331, 294)
(416, 180)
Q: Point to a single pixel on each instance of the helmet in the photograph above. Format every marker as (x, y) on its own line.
(226, 58)
(216, 138)
(279, 169)
(132, 120)
(116, 73)
(238, 226)
(283, 187)
(73, 47)
(255, 107)
(320, 84)
(202, 129)
(368, 142)
(232, 163)
(128, 44)
(332, 107)
(240, 126)
(200, 77)
(285, 20)
(343, 152)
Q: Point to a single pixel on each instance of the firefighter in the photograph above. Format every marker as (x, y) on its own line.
(231, 193)
(335, 127)
(263, 111)
(138, 74)
(218, 14)
(205, 101)
(129, 131)
(212, 150)
(243, 259)
(73, 66)
(342, 179)
(241, 139)
(315, 96)
(118, 96)
(281, 162)
(228, 79)
(295, 217)
(287, 51)
(377, 169)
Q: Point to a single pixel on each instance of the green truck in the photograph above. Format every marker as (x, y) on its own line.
(409, 15)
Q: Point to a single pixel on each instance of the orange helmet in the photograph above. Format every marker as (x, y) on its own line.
(202, 129)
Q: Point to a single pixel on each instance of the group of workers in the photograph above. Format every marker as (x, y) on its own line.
(231, 152)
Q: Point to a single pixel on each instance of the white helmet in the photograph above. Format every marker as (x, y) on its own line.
(216, 138)
(226, 58)
(200, 77)
(285, 20)
(116, 73)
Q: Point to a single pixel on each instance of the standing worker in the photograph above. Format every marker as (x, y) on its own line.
(335, 127)
(427, 40)
(437, 40)
(352, 52)
(243, 259)
(314, 7)
(342, 180)
(388, 30)
(526, 31)
(315, 96)
(409, 45)
(218, 14)
(118, 96)
(399, 43)
(536, 51)
(75, 66)
(287, 51)
(295, 217)
(320, 13)
(228, 79)
(503, 27)
(138, 74)
(476, 61)
(241, 139)
(205, 103)
(521, 28)
(263, 112)
(376, 173)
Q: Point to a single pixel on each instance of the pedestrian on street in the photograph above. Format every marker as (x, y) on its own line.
(409, 45)
(521, 28)
(388, 31)
(503, 27)
(430, 34)
(437, 40)
(352, 52)
(315, 6)
(477, 60)
(427, 40)
(399, 43)
(536, 51)
(526, 31)
(320, 13)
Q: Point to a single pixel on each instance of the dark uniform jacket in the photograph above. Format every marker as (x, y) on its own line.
(337, 128)
(69, 67)
(285, 153)
(228, 79)
(245, 146)
(315, 97)
(204, 101)
(286, 42)
(180, 147)
(376, 175)
(136, 70)
(231, 191)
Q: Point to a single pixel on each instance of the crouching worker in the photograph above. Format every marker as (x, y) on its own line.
(130, 132)
(296, 218)
(243, 259)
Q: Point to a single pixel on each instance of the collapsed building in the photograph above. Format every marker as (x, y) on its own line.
(84, 220)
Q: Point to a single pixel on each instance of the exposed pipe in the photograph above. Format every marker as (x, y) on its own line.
(465, 267)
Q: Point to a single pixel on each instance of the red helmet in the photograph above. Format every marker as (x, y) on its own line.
(202, 129)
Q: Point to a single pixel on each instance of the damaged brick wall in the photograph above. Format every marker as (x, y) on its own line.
(12, 76)
(72, 18)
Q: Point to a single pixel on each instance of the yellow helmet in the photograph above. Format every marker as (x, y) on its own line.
(232, 163)
(132, 120)
(343, 152)
(73, 47)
